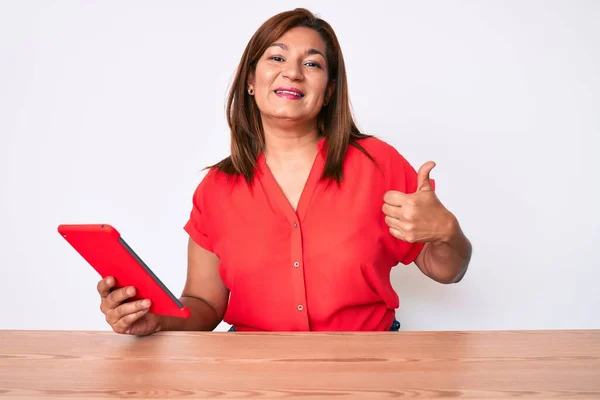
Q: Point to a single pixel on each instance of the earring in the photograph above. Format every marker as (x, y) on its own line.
(250, 91)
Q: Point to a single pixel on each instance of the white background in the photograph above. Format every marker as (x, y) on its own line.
(109, 110)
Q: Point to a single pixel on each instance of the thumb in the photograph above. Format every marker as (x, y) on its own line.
(423, 182)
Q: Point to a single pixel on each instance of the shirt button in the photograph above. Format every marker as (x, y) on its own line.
(300, 307)
(296, 264)
(295, 224)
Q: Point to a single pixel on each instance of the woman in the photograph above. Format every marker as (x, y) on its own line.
(299, 227)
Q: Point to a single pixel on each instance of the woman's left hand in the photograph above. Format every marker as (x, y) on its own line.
(420, 216)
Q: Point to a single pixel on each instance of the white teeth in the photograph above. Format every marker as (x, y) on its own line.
(288, 92)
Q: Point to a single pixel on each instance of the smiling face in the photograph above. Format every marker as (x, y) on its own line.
(290, 81)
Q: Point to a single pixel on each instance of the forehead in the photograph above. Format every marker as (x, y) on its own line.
(303, 38)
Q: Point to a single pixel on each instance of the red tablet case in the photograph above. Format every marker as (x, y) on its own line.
(104, 249)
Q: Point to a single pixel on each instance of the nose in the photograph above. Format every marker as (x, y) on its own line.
(293, 71)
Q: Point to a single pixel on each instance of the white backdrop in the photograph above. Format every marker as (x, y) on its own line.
(109, 111)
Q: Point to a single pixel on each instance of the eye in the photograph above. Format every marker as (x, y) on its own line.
(313, 64)
(276, 58)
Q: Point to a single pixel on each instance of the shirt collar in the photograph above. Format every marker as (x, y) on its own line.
(321, 146)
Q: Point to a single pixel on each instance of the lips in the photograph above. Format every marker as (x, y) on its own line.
(289, 93)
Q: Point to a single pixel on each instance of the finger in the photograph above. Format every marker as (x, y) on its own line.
(400, 229)
(404, 235)
(423, 180)
(125, 323)
(392, 211)
(126, 309)
(398, 234)
(399, 225)
(105, 286)
(116, 297)
(395, 198)
(393, 223)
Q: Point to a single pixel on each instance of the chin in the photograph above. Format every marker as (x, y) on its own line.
(287, 115)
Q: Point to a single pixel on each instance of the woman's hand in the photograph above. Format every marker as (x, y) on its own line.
(130, 318)
(420, 216)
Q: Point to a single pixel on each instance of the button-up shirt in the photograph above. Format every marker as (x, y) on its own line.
(322, 267)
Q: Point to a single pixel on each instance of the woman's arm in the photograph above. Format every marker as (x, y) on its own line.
(420, 217)
(447, 260)
(204, 293)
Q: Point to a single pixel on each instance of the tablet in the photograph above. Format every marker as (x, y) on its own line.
(104, 249)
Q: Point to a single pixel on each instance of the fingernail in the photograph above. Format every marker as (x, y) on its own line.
(109, 281)
(146, 303)
(130, 291)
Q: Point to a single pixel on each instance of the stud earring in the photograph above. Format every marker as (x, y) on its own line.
(250, 91)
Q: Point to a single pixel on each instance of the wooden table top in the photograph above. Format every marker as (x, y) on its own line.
(473, 365)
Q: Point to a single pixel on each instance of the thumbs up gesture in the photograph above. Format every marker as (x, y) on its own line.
(419, 216)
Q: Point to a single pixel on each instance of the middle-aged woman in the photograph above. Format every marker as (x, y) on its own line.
(299, 227)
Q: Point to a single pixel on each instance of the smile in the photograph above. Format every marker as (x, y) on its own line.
(289, 93)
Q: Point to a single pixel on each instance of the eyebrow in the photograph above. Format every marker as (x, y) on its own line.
(309, 51)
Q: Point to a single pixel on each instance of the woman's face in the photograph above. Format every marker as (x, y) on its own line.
(291, 77)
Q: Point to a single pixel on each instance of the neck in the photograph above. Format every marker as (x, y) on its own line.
(292, 143)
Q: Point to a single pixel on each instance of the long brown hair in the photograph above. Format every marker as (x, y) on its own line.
(335, 121)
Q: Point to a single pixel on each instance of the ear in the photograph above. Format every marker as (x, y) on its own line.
(250, 80)
(329, 92)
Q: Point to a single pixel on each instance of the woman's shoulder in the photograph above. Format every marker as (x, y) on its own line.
(214, 184)
(381, 151)
(396, 170)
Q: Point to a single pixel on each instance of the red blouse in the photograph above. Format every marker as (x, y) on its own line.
(324, 267)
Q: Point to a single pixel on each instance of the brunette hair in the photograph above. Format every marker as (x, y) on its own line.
(335, 121)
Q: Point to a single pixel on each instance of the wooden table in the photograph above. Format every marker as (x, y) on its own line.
(473, 365)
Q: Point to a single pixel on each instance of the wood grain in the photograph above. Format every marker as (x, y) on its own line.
(469, 365)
